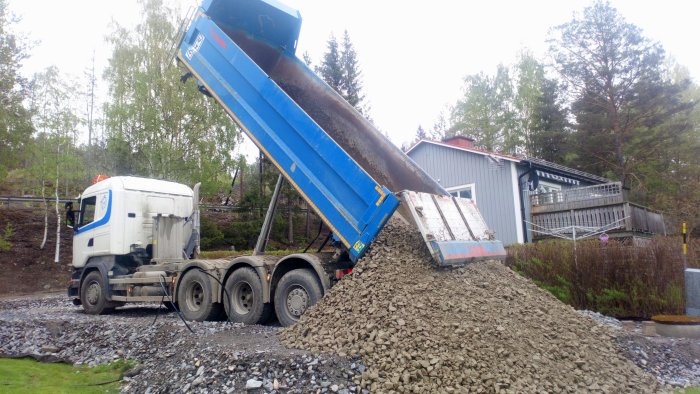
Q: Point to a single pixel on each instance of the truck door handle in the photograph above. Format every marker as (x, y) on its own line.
(90, 242)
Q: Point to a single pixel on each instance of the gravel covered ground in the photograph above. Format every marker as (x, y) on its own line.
(218, 358)
(395, 324)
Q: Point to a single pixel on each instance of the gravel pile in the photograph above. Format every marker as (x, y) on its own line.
(480, 328)
(219, 358)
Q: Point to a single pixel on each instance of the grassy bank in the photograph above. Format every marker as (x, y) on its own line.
(30, 376)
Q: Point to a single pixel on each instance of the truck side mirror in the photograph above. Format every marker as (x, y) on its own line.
(70, 215)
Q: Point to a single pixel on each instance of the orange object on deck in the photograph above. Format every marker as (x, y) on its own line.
(99, 178)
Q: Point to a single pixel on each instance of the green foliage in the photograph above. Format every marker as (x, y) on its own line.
(56, 160)
(242, 234)
(331, 69)
(211, 236)
(621, 101)
(5, 244)
(611, 302)
(352, 82)
(521, 114)
(30, 376)
(562, 290)
(677, 192)
(15, 123)
(340, 69)
(674, 297)
(615, 279)
(541, 117)
(156, 125)
(242, 227)
(486, 112)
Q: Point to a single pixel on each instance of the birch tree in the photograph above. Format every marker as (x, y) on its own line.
(156, 125)
(56, 122)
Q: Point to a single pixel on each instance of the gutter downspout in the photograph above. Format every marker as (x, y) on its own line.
(522, 200)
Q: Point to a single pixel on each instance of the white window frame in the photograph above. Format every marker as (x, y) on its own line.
(551, 188)
(468, 186)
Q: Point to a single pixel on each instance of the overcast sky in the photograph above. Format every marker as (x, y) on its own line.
(413, 55)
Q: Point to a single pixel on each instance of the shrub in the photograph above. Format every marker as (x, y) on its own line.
(211, 236)
(637, 278)
(5, 244)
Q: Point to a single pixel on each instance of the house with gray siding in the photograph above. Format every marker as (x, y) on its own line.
(517, 194)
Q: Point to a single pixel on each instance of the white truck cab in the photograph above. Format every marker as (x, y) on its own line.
(117, 217)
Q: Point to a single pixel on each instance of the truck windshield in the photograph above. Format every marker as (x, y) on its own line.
(87, 211)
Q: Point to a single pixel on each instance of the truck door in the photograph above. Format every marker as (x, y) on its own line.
(92, 231)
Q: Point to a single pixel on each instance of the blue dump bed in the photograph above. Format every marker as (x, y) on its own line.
(243, 53)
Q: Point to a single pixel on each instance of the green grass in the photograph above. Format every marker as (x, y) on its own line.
(30, 376)
(689, 390)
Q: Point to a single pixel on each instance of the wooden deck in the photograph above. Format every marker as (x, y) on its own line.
(599, 206)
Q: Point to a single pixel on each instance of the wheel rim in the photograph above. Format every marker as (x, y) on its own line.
(243, 298)
(195, 296)
(297, 301)
(93, 293)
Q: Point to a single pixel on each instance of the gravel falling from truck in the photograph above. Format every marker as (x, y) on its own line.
(480, 328)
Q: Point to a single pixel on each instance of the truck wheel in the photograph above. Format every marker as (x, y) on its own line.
(297, 291)
(195, 297)
(243, 300)
(93, 294)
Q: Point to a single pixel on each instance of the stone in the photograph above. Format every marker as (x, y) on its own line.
(253, 384)
(50, 349)
(513, 335)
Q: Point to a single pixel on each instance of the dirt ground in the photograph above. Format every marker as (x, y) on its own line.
(26, 267)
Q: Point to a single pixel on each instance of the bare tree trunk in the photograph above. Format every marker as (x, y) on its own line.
(240, 197)
(58, 227)
(46, 214)
(43, 197)
(58, 214)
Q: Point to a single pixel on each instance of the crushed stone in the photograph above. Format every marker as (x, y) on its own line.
(479, 328)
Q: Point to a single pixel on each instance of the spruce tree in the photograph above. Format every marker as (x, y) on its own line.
(331, 69)
(340, 69)
(351, 83)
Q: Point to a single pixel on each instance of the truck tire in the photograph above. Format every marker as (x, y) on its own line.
(243, 299)
(297, 291)
(195, 297)
(93, 294)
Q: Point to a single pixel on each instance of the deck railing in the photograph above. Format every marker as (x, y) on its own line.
(578, 198)
(599, 206)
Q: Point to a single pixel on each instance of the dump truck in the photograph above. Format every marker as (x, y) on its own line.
(242, 54)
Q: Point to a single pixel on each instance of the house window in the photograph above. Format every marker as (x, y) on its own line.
(550, 193)
(463, 191)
